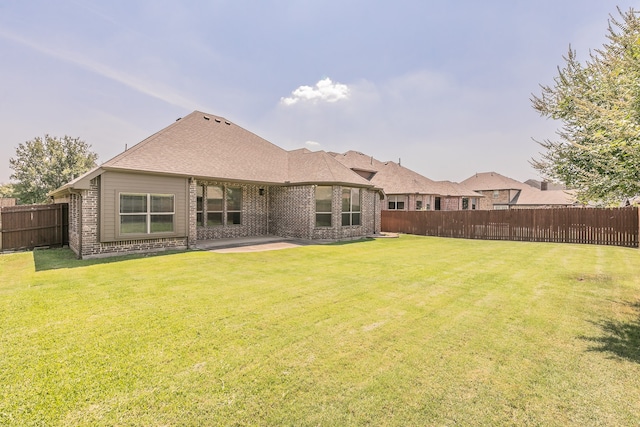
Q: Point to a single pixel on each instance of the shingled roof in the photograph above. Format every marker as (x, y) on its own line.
(492, 181)
(210, 147)
(206, 146)
(396, 179)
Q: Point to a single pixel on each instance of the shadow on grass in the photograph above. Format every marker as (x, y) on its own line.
(619, 338)
(53, 259)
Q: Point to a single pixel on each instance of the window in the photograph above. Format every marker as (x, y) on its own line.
(474, 203)
(146, 213)
(234, 205)
(496, 194)
(324, 195)
(396, 203)
(465, 203)
(215, 206)
(224, 205)
(200, 205)
(437, 204)
(418, 205)
(350, 206)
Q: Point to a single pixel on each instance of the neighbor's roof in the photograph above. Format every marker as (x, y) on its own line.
(492, 181)
(396, 179)
(533, 197)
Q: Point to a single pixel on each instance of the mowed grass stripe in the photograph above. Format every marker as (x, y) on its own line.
(408, 331)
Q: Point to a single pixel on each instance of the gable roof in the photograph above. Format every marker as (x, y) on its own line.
(396, 179)
(492, 181)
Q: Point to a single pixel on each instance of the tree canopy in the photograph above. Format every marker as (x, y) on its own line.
(598, 102)
(42, 165)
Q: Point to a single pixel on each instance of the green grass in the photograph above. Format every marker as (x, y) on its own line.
(408, 331)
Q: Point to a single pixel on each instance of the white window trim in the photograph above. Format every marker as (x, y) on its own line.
(147, 214)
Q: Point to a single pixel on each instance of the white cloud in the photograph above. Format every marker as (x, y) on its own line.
(312, 144)
(325, 90)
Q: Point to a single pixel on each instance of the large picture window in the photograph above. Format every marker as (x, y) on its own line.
(350, 206)
(224, 205)
(324, 195)
(146, 213)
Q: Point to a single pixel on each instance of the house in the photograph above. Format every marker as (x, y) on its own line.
(204, 178)
(6, 202)
(406, 189)
(502, 192)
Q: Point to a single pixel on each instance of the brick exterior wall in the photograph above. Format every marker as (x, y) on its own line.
(503, 197)
(254, 214)
(280, 211)
(293, 214)
(74, 222)
(192, 238)
(292, 211)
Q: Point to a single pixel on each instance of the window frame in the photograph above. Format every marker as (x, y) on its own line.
(323, 213)
(350, 214)
(226, 217)
(148, 214)
(395, 200)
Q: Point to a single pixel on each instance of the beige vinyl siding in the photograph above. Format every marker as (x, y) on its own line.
(114, 183)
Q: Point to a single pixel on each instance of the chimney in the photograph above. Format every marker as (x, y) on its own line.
(544, 185)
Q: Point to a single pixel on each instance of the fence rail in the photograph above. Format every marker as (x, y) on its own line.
(32, 226)
(615, 226)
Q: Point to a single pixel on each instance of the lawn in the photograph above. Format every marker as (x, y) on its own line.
(408, 331)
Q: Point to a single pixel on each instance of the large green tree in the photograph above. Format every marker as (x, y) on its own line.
(597, 151)
(44, 164)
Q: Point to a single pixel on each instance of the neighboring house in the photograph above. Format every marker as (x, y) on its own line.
(408, 190)
(203, 178)
(502, 192)
(6, 202)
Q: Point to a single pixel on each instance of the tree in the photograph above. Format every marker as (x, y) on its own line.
(42, 165)
(7, 190)
(598, 102)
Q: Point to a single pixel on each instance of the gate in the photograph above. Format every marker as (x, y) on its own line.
(32, 226)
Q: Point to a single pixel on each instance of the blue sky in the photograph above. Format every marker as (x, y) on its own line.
(444, 86)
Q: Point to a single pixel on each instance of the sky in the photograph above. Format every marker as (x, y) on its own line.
(444, 87)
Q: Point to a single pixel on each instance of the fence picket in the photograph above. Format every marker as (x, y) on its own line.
(606, 226)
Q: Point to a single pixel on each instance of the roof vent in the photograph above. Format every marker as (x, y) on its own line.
(227, 123)
(206, 117)
(178, 119)
(217, 120)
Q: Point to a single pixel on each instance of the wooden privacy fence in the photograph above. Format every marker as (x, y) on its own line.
(31, 226)
(615, 226)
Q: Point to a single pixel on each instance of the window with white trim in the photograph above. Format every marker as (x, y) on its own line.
(324, 195)
(146, 213)
(396, 203)
(350, 206)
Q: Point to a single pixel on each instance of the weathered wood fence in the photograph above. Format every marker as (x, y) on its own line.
(616, 226)
(32, 226)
